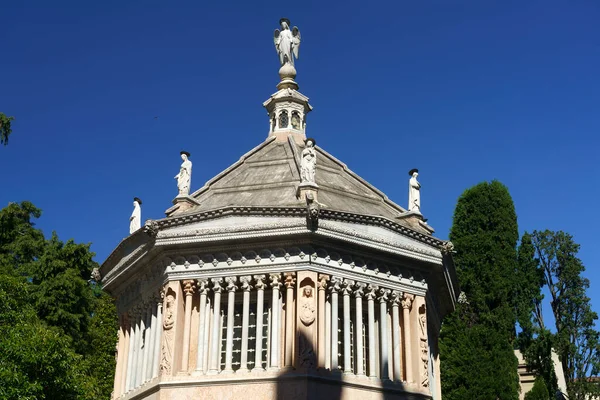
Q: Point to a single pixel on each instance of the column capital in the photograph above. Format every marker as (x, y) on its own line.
(407, 300)
(322, 281)
(245, 283)
(275, 280)
(217, 288)
(202, 285)
(290, 279)
(189, 286)
(396, 298)
(259, 282)
(372, 291)
(359, 289)
(347, 286)
(384, 295)
(335, 284)
(231, 286)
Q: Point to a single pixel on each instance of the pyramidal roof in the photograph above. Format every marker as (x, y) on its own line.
(268, 176)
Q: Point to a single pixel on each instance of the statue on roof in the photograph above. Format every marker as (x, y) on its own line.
(184, 176)
(414, 191)
(308, 162)
(287, 42)
(136, 216)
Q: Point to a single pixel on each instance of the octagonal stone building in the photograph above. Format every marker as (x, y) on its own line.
(262, 285)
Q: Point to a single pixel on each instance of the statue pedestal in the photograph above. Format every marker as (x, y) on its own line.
(309, 190)
(416, 221)
(182, 203)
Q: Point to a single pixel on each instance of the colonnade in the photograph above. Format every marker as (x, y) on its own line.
(251, 323)
(138, 348)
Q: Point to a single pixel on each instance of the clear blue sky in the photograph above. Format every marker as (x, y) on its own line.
(466, 91)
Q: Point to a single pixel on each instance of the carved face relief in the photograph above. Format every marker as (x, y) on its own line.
(308, 311)
(308, 291)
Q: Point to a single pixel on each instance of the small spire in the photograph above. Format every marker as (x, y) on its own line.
(287, 108)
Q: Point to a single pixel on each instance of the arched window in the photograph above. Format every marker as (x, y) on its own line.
(295, 120)
(283, 120)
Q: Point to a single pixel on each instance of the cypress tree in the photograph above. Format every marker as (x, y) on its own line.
(476, 342)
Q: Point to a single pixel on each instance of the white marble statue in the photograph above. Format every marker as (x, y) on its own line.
(308, 162)
(184, 177)
(414, 192)
(287, 42)
(136, 216)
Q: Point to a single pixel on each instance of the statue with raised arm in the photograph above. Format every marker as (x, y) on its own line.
(136, 216)
(287, 42)
(414, 191)
(184, 176)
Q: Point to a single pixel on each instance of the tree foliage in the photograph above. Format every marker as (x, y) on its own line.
(5, 128)
(576, 340)
(539, 391)
(57, 330)
(476, 342)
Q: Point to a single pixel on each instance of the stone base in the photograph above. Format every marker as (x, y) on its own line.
(416, 221)
(304, 189)
(182, 203)
(279, 385)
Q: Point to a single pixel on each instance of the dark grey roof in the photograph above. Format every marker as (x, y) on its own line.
(268, 176)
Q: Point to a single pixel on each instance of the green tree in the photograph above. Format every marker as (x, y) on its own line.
(539, 391)
(5, 128)
(485, 235)
(576, 340)
(57, 330)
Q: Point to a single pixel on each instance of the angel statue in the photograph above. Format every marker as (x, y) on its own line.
(286, 42)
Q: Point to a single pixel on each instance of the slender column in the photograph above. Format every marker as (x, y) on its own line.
(383, 359)
(334, 288)
(321, 320)
(406, 305)
(146, 343)
(290, 281)
(121, 357)
(371, 294)
(328, 333)
(260, 301)
(139, 358)
(231, 288)
(215, 336)
(158, 335)
(346, 291)
(127, 358)
(202, 290)
(131, 351)
(358, 354)
(396, 299)
(188, 289)
(153, 328)
(245, 286)
(275, 312)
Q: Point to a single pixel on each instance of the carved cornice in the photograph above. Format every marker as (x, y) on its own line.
(297, 212)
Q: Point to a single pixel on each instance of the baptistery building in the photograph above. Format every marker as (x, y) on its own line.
(287, 276)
